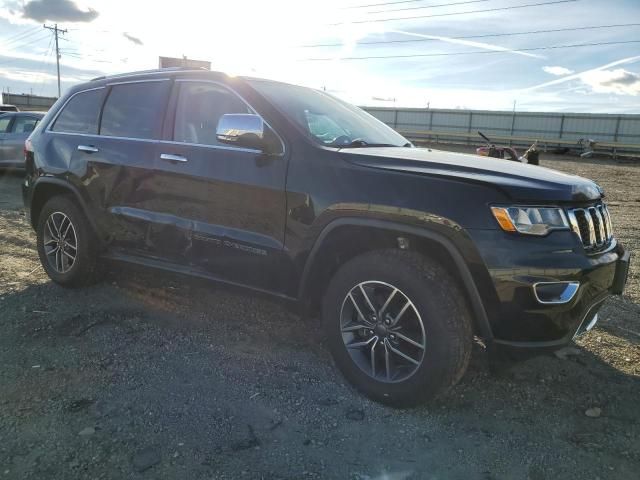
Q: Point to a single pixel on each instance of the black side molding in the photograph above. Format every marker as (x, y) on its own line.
(68, 186)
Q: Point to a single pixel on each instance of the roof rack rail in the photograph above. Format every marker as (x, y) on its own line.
(154, 70)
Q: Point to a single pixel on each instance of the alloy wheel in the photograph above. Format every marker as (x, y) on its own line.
(382, 331)
(60, 242)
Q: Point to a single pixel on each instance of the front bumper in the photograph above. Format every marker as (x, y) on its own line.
(517, 264)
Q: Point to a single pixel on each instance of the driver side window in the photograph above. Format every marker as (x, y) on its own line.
(200, 106)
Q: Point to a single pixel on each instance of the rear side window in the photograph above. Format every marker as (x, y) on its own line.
(134, 110)
(5, 120)
(80, 114)
(24, 124)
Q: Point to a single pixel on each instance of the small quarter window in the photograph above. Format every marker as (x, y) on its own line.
(80, 114)
(135, 110)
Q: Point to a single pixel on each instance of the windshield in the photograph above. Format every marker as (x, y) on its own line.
(328, 120)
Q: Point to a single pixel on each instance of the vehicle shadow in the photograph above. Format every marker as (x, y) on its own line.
(149, 341)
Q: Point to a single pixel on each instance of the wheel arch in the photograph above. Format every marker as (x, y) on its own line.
(46, 188)
(323, 259)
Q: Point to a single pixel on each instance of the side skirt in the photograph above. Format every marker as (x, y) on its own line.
(189, 271)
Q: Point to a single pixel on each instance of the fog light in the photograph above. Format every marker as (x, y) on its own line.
(555, 292)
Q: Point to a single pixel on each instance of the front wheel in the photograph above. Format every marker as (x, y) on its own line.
(398, 326)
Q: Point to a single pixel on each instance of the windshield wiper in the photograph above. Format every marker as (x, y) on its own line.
(360, 143)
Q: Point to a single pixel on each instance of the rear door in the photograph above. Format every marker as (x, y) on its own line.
(122, 167)
(223, 206)
(104, 140)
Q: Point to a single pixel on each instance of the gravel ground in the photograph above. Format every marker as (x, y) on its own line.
(149, 375)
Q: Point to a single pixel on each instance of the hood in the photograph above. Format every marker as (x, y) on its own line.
(519, 181)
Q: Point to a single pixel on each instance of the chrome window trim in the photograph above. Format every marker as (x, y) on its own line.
(215, 147)
(227, 87)
(153, 140)
(64, 105)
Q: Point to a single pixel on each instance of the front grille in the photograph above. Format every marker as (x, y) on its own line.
(593, 225)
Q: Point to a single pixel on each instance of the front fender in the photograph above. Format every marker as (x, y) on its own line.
(443, 237)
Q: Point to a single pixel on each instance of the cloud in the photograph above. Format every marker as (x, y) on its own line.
(618, 81)
(582, 74)
(57, 11)
(558, 71)
(132, 39)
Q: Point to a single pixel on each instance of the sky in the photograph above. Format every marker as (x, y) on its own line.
(412, 53)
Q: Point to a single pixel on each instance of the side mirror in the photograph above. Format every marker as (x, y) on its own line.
(241, 129)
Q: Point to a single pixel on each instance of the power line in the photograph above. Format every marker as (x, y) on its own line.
(11, 38)
(483, 52)
(512, 7)
(508, 34)
(23, 45)
(17, 41)
(381, 4)
(426, 6)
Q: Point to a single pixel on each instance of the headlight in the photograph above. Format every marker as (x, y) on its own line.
(530, 220)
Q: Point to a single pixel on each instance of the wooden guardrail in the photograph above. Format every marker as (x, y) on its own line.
(615, 149)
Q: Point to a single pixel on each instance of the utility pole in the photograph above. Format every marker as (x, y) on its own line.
(57, 31)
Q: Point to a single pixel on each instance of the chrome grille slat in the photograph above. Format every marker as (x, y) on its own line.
(593, 226)
(592, 230)
(608, 221)
(573, 221)
(598, 226)
(605, 227)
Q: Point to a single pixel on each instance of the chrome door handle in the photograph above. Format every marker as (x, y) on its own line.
(87, 148)
(169, 157)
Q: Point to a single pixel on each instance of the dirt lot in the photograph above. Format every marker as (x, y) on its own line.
(149, 375)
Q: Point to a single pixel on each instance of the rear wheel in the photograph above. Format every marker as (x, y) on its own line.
(398, 326)
(66, 243)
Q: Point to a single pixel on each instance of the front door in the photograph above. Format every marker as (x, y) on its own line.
(224, 206)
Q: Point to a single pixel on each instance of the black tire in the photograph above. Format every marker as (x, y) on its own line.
(439, 304)
(84, 269)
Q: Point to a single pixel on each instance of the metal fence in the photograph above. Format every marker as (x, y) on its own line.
(616, 132)
(28, 102)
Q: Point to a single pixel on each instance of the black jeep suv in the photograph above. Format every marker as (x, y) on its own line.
(408, 252)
